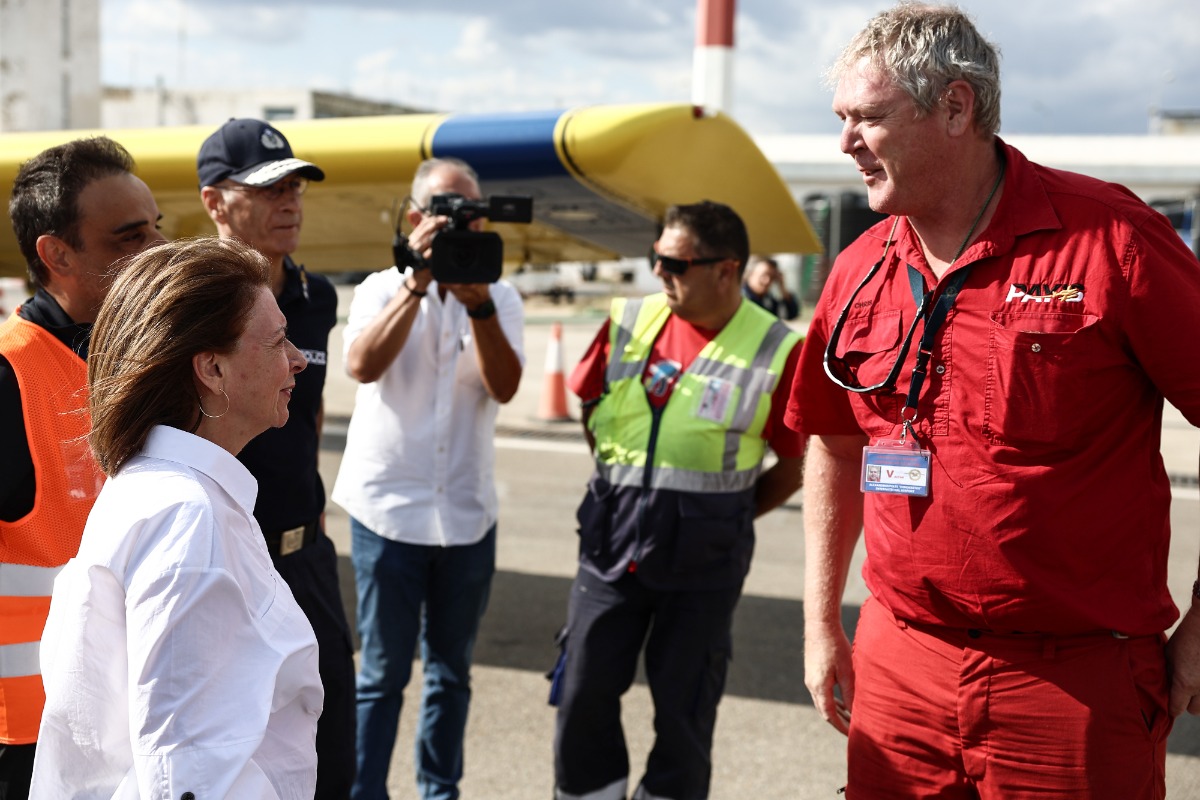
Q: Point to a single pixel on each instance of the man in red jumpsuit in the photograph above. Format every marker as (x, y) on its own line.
(983, 384)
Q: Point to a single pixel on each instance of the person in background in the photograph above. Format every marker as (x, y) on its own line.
(435, 362)
(252, 187)
(76, 209)
(764, 286)
(1017, 533)
(176, 662)
(682, 392)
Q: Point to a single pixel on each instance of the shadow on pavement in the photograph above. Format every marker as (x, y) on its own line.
(526, 610)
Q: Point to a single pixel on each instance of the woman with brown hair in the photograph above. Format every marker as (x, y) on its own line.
(176, 662)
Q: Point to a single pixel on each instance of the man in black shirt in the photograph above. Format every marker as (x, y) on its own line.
(764, 286)
(76, 209)
(252, 187)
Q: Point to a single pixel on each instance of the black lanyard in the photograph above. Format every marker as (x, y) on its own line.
(933, 322)
(941, 308)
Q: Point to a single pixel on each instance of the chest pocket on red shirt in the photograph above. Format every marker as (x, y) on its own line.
(870, 346)
(1040, 375)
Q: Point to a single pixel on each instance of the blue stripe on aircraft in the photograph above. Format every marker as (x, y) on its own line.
(502, 146)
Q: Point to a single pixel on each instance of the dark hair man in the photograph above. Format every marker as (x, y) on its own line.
(252, 186)
(435, 361)
(764, 286)
(1016, 555)
(682, 392)
(76, 209)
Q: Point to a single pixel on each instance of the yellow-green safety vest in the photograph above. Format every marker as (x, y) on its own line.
(715, 416)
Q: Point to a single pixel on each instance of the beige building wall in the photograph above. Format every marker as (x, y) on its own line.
(147, 108)
(49, 64)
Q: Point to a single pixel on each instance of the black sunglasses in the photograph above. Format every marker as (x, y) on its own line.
(678, 266)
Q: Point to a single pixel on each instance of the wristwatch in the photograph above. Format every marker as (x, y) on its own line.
(484, 310)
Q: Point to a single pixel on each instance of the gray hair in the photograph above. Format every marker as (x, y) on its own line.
(922, 49)
(420, 183)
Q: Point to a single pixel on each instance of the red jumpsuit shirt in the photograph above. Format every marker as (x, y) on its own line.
(1049, 504)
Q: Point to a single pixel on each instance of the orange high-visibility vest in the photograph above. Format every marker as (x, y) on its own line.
(33, 549)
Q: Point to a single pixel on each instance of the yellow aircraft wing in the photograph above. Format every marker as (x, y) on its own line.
(601, 178)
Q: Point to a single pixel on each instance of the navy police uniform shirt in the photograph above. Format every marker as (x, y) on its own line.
(284, 460)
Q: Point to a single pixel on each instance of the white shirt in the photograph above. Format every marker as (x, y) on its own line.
(419, 457)
(175, 658)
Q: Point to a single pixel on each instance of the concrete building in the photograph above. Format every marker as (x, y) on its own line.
(1175, 123)
(160, 106)
(49, 64)
(1163, 169)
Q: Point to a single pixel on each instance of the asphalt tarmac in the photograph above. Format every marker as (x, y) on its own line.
(770, 743)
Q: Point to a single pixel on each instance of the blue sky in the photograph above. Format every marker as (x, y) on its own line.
(1068, 67)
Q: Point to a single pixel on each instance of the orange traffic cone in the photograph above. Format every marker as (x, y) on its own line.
(553, 405)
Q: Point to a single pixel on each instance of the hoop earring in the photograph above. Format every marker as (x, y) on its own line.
(215, 416)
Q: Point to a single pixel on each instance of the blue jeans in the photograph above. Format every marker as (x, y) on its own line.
(440, 594)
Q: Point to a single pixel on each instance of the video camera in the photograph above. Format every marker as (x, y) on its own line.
(461, 255)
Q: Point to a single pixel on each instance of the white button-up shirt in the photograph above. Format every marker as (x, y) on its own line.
(419, 460)
(175, 658)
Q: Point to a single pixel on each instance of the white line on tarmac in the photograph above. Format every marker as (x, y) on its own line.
(541, 445)
(555, 446)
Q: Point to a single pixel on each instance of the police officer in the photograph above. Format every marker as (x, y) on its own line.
(252, 187)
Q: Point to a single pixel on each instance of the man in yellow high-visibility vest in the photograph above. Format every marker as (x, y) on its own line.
(682, 393)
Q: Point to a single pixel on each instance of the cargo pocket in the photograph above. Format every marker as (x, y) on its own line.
(595, 519)
(708, 531)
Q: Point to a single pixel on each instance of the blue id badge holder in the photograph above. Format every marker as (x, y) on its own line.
(895, 466)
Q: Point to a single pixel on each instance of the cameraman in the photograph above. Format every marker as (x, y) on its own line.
(434, 360)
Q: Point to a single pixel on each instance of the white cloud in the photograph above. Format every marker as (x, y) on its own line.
(477, 43)
(1067, 68)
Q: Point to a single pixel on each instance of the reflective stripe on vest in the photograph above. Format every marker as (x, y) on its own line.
(683, 480)
(746, 359)
(19, 660)
(22, 580)
(53, 382)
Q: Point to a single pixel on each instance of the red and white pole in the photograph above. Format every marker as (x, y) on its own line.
(712, 67)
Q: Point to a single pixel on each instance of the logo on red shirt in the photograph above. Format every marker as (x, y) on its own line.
(1045, 292)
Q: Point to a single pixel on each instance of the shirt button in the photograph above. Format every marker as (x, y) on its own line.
(1035, 347)
(940, 369)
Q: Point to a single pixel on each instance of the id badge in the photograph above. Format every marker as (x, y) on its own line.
(714, 402)
(893, 467)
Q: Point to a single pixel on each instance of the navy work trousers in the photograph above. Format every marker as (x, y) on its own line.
(688, 647)
(311, 573)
